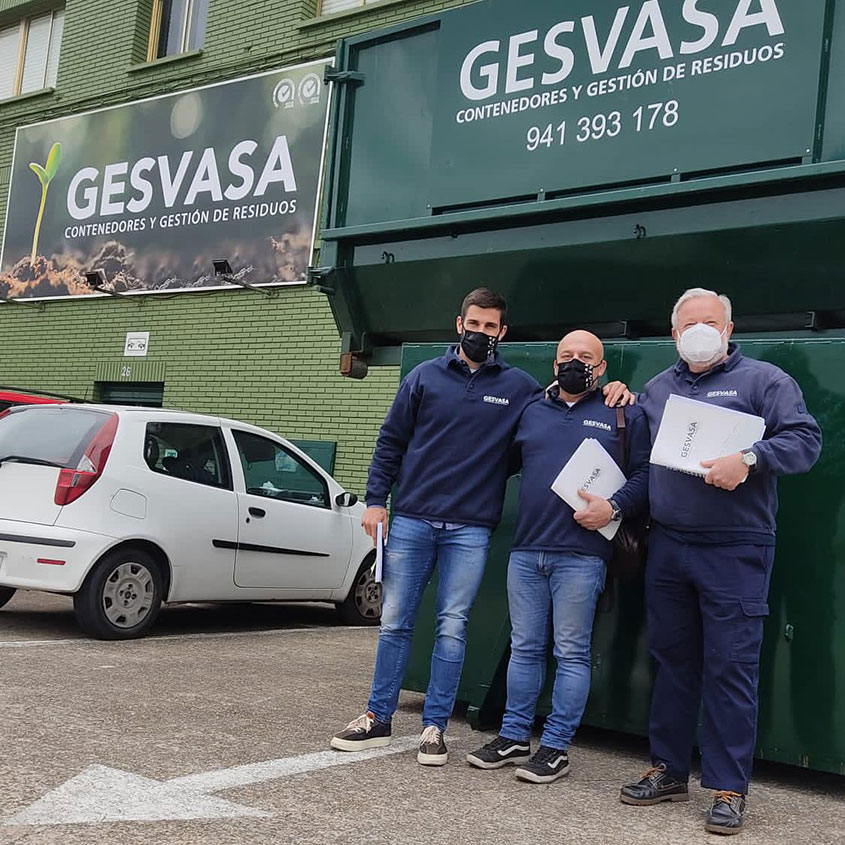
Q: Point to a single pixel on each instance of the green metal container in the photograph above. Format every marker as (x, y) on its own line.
(691, 155)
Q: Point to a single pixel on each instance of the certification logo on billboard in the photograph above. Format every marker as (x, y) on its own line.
(542, 96)
(153, 191)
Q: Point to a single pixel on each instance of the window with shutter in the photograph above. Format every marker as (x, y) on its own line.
(29, 54)
(10, 45)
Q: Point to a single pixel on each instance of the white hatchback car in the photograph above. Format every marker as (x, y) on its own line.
(127, 508)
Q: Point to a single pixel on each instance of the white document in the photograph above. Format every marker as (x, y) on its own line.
(691, 432)
(379, 553)
(592, 469)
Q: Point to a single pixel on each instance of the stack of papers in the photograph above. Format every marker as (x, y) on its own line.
(592, 469)
(691, 432)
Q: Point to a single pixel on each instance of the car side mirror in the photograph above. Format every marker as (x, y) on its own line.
(345, 500)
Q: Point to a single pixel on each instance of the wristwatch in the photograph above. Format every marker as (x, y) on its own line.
(749, 458)
(616, 514)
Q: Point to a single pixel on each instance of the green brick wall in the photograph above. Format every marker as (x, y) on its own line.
(271, 361)
(267, 360)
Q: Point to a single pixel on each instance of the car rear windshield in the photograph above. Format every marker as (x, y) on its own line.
(57, 435)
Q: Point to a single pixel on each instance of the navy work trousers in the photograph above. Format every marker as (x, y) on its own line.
(705, 606)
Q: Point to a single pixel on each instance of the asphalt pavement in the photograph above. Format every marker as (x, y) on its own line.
(215, 730)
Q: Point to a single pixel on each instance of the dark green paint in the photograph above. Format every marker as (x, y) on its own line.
(802, 708)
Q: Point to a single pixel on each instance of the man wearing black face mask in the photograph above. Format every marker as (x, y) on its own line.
(558, 561)
(444, 445)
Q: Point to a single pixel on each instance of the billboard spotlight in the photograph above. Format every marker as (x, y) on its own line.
(223, 269)
(98, 281)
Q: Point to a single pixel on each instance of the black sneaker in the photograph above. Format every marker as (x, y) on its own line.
(726, 814)
(653, 787)
(362, 733)
(499, 752)
(432, 751)
(547, 765)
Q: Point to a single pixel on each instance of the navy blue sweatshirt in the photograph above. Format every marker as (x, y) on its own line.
(548, 435)
(445, 440)
(792, 442)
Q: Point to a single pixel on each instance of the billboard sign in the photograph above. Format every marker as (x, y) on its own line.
(153, 191)
(544, 97)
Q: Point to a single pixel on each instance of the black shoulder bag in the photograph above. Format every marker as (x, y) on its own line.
(631, 541)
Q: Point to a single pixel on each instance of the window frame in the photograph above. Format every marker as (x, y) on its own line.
(225, 456)
(23, 42)
(359, 6)
(317, 473)
(156, 20)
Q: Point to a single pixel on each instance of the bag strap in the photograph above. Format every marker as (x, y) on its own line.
(622, 428)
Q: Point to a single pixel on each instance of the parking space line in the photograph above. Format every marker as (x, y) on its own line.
(199, 636)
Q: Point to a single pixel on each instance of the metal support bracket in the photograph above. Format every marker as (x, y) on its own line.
(343, 77)
(320, 279)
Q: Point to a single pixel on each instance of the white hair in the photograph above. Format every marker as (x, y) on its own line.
(694, 293)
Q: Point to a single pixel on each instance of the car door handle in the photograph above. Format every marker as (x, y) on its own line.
(259, 512)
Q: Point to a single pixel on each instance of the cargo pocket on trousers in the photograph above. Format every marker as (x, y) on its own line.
(749, 634)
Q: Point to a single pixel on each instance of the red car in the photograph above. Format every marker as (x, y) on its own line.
(13, 397)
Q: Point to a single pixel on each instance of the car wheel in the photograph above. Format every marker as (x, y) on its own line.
(363, 604)
(6, 594)
(121, 596)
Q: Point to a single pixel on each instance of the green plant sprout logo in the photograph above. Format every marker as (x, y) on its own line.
(45, 176)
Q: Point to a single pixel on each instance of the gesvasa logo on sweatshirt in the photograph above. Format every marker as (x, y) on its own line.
(497, 400)
(715, 394)
(597, 424)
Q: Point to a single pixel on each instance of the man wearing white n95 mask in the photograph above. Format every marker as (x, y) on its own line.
(710, 557)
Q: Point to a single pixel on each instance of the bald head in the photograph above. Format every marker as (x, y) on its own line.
(582, 345)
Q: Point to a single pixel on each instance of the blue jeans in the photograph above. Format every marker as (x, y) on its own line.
(413, 549)
(550, 594)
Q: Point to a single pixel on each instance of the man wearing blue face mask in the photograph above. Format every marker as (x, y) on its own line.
(711, 550)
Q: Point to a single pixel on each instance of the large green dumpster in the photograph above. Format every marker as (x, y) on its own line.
(590, 160)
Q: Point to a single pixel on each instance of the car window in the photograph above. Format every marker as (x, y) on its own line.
(51, 433)
(273, 472)
(191, 452)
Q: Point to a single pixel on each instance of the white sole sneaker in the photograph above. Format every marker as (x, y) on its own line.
(359, 745)
(498, 764)
(432, 759)
(531, 777)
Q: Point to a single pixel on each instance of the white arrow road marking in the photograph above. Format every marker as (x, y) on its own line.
(102, 794)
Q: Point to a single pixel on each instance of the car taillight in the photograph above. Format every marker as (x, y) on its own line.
(73, 483)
